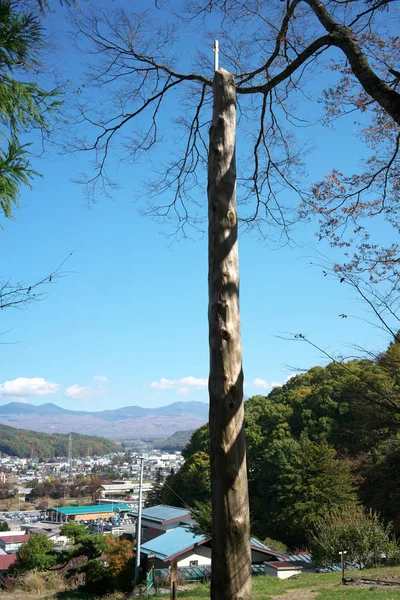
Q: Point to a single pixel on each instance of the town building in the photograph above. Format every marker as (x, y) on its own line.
(11, 543)
(87, 513)
(156, 520)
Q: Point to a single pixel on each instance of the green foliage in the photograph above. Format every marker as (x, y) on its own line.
(108, 564)
(4, 526)
(24, 105)
(95, 576)
(85, 545)
(19, 442)
(275, 545)
(202, 513)
(154, 495)
(300, 482)
(308, 443)
(191, 483)
(74, 531)
(120, 560)
(199, 442)
(44, 5)
(381, 486)
(37, 553)
(361, 534)
(176, 441)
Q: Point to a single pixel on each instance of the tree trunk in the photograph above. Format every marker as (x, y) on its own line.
(231, 557)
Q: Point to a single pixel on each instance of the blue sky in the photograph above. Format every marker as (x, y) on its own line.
(127, 324)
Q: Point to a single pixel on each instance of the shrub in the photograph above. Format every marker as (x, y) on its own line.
(8, 583)
(275, 545)
(33, 582)
(362, 535)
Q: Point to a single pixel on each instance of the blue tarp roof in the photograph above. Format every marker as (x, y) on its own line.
(172, 542)
(162, 513)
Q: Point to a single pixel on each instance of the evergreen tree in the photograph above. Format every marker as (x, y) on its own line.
(302, 481)
(37, 553)
(154, 495)
(24, 105)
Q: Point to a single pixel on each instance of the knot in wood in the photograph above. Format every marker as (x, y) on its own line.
(220, 121)
(218, 147)
(225, 334)
(231, 216)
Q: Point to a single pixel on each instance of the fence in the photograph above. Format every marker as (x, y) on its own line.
(159, 578)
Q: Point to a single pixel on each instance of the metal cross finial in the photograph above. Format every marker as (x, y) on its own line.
(216, 55)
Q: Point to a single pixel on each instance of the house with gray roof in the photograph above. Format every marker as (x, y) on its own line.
(157, 520)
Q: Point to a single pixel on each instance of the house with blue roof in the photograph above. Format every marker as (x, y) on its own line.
(188, 548)
(157, 520)
(167, 537)
(192, 550)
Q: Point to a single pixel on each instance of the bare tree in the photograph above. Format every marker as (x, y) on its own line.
(18, 294)
(272, 49)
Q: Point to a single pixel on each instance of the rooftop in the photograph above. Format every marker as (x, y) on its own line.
(284, 565)
(257, 545)
(89, 510)
(181, 539)
(172, 543)
(163, 513)
(118, 486)
(14, 539)
(6, 560)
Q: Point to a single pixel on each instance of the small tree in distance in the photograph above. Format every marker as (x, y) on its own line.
(154, 495)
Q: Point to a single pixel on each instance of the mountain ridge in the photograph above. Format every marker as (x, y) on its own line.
(25, 442)
(135, 421)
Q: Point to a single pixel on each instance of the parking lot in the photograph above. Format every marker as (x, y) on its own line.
(21, 517)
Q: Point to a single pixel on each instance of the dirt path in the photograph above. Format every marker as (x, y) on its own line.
(299, 594)
(303, 593)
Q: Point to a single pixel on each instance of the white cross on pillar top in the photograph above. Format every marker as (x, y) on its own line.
(216, 55)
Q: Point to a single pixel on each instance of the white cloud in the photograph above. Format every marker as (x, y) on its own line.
(181, 385)
(28, 386)
(265, 385)
(76, 391)
(184, 391)
(101, 378)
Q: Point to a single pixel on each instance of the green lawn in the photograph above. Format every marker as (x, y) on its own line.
(312, 586)
(316, 586)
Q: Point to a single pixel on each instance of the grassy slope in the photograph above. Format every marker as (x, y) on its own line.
(318, 586)
(268, 587)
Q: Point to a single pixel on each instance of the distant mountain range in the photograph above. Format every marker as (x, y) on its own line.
(130, 421)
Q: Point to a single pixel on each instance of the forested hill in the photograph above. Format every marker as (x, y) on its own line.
(176, 441)
(326, 439)
(24, 443)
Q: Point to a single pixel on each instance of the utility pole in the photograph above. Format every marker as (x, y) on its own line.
(70, 453)
(139, 523)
